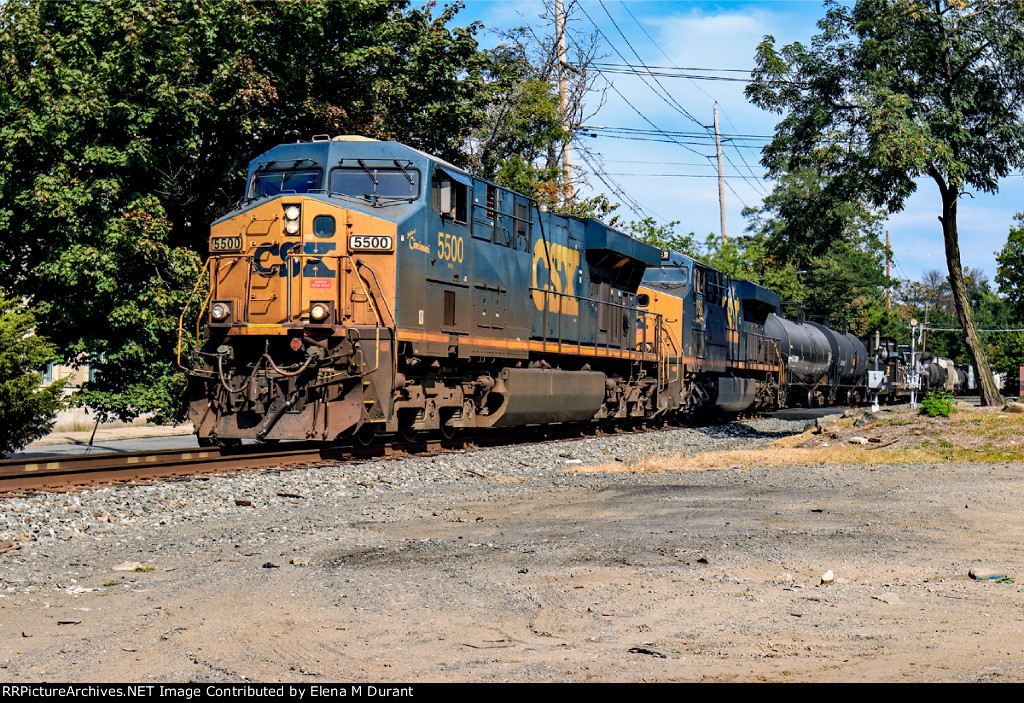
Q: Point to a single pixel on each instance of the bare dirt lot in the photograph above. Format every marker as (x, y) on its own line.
(664, 569)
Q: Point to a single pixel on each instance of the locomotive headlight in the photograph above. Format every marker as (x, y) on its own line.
(220, 311)
(291, 219)
(318, 312)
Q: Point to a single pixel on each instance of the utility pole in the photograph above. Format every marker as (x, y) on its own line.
(563, 96)
(888, 288)
(721, 176)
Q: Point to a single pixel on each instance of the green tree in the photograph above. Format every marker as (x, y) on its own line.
(1007, 352)
(126, 126)
(890, 90)
(518, 144)
(814, 225)
(664, 236)
(523, 120)
(1010, 268)
(26, 410)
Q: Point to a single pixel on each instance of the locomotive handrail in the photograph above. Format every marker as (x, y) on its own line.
(607, 345)
(324, 380)
(670, 337)
(359, 263)
(370, 298)
(181, 318)
(207, 273)
(494, 224)
(658, 339)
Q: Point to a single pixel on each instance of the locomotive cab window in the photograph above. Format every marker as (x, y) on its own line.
(450, 197)
(367, 181)
(270, 183)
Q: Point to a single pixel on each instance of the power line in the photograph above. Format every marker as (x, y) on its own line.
(598, 169)
(679, 175)
(623, 97)
(671, 101)
(756, 185)
(669, 140)
(961, 329)
(673, 67)
(702, 134)
(628, 69)
(659, 163)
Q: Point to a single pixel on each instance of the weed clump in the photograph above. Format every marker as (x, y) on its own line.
(938, 403)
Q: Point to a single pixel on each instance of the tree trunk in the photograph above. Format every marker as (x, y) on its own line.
(986, 384)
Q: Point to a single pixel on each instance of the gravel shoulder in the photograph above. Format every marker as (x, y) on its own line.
(647, 557)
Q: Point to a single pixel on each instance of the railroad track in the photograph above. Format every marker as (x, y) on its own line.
(68, 473)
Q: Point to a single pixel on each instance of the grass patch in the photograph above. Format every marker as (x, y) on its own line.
(975, 434)
(143, 569)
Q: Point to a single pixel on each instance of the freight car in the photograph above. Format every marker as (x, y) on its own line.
(824, 365)
(894, 370)
(363, 287)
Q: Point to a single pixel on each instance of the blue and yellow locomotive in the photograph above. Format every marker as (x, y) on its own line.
(715, 353)
(364, 287)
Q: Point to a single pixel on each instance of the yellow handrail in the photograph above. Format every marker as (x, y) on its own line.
(181, 318)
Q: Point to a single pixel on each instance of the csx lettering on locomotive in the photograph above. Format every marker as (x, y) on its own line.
(560, 277)
(282, 252)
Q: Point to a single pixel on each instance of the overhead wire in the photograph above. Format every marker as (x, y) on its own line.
(758, 185)
(664, 94)
(623, 97)
(598, 170)
(639, 112)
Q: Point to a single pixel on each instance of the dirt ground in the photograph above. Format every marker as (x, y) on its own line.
(669, 572)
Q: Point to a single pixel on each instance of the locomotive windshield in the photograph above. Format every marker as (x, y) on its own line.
(269, 183)
(371, 181)
(667, 277)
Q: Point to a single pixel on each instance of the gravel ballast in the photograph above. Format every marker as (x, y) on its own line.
(511, 564)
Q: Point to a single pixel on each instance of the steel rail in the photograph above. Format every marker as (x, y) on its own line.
(59, 472)
(18, 476)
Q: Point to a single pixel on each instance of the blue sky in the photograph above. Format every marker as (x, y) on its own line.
(673, 181)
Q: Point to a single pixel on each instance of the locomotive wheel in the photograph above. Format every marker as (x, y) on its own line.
(448, 431)
(364, 436)
(406, 432)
